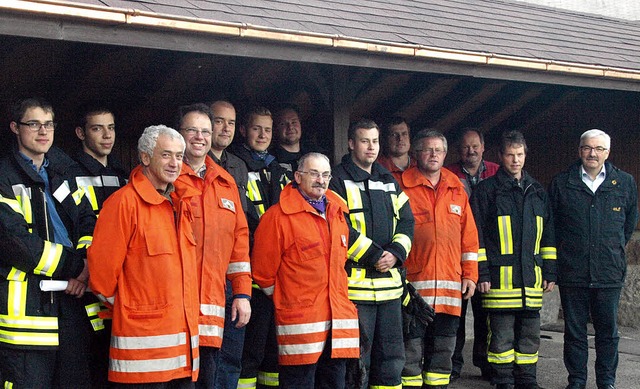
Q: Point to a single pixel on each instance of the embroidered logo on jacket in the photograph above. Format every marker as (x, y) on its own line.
(228, 204)
(455, 208)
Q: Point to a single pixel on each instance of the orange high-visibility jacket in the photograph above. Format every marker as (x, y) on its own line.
(222, 239)
(445, 240)
(298, 258)
(142, 265)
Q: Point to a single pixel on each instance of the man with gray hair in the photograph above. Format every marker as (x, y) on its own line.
(142, 265)
(595, 206)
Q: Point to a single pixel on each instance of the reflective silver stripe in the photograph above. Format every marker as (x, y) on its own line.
(85, 181)
(471, 256)
(424, 284)
(345, 324)
(210, 330)
(195, 341)
(345, 342)
(110, 181)
(269, 290)
(452, 285)
(147, 365)
(49, 260)
(29, 338)
(379, 185)
(62, 192)
(20, 190)
(297, 349)
(239, 267)
(445, 300)
(148, 342)
(212, 310)
(111, 299)
(307, 328)
(196, 364)
(359, 247)
(404, 241)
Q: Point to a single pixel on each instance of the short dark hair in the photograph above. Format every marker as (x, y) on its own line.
(255, 111)
(429, 133)
(362, 123)
(91, 109)
(286, 107)
(20, 108)
(512, 138)
(391, 122)
(185, 109)
(468, 130)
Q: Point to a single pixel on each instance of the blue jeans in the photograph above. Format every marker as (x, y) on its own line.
(229, 359)
(602, 304)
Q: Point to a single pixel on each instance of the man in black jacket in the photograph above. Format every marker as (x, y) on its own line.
(595, 208)
(45, 333)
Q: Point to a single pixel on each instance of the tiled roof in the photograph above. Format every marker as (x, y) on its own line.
(488, 26)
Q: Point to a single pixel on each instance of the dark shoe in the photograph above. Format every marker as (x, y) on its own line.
(576, 386)
(454, 376)
(504, 386)
(611, 386)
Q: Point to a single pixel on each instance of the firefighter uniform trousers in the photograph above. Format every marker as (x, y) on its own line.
(514, 340)
(428, 359)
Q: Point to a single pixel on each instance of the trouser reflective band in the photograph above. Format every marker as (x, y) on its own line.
(505, 357)
(433, 379)
(247, 383)
(411, 381)
(8, 385)
(268, 378)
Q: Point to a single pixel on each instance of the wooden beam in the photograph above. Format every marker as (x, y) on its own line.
(415, 107)
(510, 109)
(377, 93)
(341, 109)
(469, 106)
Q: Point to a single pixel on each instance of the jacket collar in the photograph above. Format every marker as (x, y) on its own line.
(96, 168)
(413, 177)
(291, 201)
(611, 179)
(359, 175)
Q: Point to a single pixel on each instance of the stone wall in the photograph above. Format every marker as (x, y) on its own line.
(629, 314)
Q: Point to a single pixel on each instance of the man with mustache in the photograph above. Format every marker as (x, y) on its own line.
(471, 169)
(298, 260)
(595, 206)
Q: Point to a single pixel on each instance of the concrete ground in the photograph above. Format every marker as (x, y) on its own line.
(551, 371)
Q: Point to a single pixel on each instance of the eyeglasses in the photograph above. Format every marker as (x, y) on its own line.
(315, 174)
(431, 151)
(36, 126)
(588, 149)
(193, 131)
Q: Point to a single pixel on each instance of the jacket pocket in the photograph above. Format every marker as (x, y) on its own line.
(159, 241)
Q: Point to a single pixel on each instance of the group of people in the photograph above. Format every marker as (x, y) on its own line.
(215, 264)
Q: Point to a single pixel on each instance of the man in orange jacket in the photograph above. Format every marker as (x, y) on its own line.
(443, 263)
(142, 265)
(222, 237)
(298, 259)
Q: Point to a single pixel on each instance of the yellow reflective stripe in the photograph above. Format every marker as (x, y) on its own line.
(549, 252)
(16, 305)
(91, 195)
(538, 272)
(49, 260)
(84, 242)
(432, 379)
(501, 358)
(29, 338)
(506, 238)
(525, 359)
(253, 192)
(97, 324)
(385, 386)
(506, 277)
(13, 204)
(44, 323)
(247, 383)
(16, 275)
(354, 202)
(8, 385)
(502, 298)
(359, 247)
(268, 378)
(77, 195)
(411, 381)
(404, 241)
(92, 309)
(401, 201)
(539, 229)
(482, 255)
